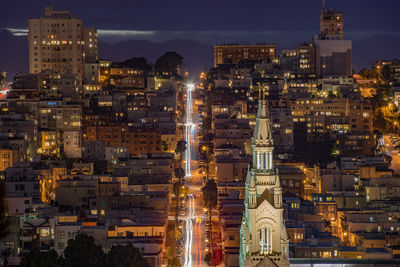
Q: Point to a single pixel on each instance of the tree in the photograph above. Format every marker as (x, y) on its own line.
(206, 125)
(179, 173)
(82, 251)
(382, 118)
(169, 62)
(210, 194)
(42, 259)
(210, 198)
(4, 222)
(125, 256)
(386, 73)
(136, 63)
(180, 148)
(208, 258)
(367, 74)
(174, 262)
(378, 133)
(177, 187)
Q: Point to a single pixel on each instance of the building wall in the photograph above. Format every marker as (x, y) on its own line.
(82, 194)
(241, 52)
(137, 141)
(333, 57)
(57, 43)
(72, 144)
(7, 158)
(331, 23)
(60, 117)
(138, 231)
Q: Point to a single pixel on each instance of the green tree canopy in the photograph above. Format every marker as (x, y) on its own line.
(367, 74)
(83, 251)
(136, 63)
(179, 188)
(174, 262)
(386, 73)
(208, 258)
(207, 122)
(169, 62)
(179, 173)
(210, 194)
(42, 259)
(125, 256)
(180, 147)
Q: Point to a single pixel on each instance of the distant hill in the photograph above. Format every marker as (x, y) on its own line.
(198, 56)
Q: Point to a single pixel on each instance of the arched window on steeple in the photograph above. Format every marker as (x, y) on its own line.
(264, 161)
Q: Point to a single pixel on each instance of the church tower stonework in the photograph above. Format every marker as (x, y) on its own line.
(264, 240)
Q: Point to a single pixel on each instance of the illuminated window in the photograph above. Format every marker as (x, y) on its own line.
(44, 232)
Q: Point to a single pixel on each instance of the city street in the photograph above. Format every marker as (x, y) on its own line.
(193, 223)
(393, 153)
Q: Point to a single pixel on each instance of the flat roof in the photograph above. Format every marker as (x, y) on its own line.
(343, 261)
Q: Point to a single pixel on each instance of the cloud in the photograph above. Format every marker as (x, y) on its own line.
(17, 32)
(126, 33)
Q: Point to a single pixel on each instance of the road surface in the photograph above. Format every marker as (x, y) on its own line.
(193, 225)
(393, 153)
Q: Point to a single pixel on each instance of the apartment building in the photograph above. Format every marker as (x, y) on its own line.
(58, 43)
(235, 52)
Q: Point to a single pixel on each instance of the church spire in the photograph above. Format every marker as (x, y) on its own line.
(277, 193)
(262, 132)
(262, 238)
(252, 193)
(262, 141)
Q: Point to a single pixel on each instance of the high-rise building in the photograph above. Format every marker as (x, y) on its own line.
(264, 240)
(306, 56)
(58, 43)
(333, 52)
(235, 53)
(331, 23)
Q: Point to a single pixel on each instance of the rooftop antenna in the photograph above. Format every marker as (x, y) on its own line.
(323, 4)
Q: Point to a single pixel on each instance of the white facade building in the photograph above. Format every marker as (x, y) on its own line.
(264, 240)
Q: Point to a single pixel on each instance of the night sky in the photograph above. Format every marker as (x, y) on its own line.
(373, 24)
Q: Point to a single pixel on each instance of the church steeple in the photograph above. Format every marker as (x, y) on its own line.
(277, 193)
(262, 141)
(262, 132)
(261, 238)
(252, 200)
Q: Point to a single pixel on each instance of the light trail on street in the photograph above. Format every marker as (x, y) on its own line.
(189, 130)
(192, 224)
(189, 232)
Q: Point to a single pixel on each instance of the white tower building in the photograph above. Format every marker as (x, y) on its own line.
(264, 240)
